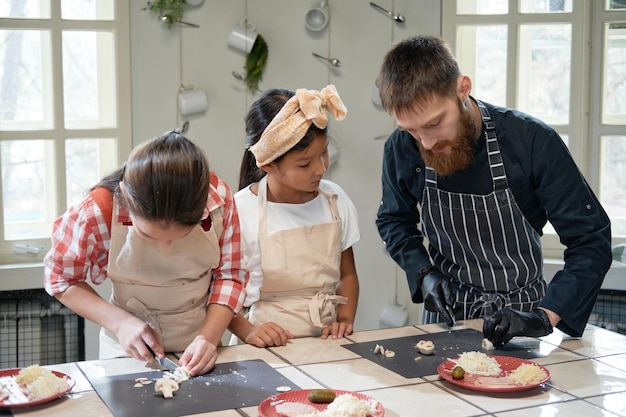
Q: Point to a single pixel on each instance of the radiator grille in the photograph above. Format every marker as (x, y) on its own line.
(37, 329)
(609, 310)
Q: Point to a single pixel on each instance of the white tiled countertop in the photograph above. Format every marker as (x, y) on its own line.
(588, 378)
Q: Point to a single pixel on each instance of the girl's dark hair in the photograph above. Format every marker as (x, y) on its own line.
(258, 118)
(166, 180)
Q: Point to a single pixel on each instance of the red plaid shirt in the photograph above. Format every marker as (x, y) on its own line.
(81, 242)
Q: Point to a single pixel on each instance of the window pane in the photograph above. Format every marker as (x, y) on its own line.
(612, 184)
(25, 9)
(482, 54)
(545, 6)
(614, 74)
(25, 80)
(616, 4)
(87, 161)
(89, 80)
(544, 71)
(28, 188)
(482, 6)
(87, 9)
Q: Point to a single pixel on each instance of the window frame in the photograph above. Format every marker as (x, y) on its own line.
(584, 129)
(10, 253)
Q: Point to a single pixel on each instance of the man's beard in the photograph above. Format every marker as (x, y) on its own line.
(462, 148)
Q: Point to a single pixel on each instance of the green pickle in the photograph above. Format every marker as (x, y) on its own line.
(458, 372)
(321, 396)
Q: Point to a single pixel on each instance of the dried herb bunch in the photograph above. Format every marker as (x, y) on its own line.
(255, 64)
(169, 10)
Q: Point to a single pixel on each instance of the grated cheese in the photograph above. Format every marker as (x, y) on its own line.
(346, 405)
(527, 374)
(478, 363)
(38, 382)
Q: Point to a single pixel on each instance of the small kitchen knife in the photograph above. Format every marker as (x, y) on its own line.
(168, 364)
(451, 312)
(165, 362)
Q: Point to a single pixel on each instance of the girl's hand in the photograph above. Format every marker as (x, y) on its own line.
(268, 334)
(135, 336)
(199, 357)
(337, 330)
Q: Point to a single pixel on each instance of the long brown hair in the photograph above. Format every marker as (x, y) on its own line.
(165, 179)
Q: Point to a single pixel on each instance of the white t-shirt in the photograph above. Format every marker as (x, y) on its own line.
(282, 216)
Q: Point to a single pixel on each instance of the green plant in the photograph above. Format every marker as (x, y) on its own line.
(171, 11)
(255, 64)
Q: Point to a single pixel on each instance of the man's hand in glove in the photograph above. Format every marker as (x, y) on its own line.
(507, 323)
(437, 295)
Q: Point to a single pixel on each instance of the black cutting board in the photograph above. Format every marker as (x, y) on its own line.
(227, 386)
(448, 345)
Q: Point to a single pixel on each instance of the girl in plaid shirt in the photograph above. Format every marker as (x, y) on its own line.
(165, 230)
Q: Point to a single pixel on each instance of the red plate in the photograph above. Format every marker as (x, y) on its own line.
(267, 408)
(496, 383)
(17, 398)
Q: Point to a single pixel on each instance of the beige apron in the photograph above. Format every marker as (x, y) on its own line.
(166, 288)
(301, 269)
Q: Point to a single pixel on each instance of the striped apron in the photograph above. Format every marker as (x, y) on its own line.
(483, 244)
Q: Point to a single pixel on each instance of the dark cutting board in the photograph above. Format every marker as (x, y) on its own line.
(229, 385)
(448, 345)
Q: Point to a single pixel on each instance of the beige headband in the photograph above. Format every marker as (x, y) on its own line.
(294, 119)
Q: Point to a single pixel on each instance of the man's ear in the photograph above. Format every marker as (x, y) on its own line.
(463, 87)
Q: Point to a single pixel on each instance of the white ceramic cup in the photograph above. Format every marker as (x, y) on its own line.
(191, 101)
(393, 315)
(243, 36)
(316, 18)
(376, 96)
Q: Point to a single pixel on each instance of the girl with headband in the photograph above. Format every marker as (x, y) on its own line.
(297, 229)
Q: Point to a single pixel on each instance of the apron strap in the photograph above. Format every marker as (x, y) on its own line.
(321, 302)
(496, 166)
(498, 173)
(488, 302)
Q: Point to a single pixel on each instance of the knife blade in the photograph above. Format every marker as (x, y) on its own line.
(451, 312)
(168, 364)
(165, 362)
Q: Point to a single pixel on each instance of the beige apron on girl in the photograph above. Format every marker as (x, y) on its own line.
(166, 288)
(301, 269)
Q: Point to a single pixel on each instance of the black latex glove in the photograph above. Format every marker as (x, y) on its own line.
(437, 295)
(507, 323)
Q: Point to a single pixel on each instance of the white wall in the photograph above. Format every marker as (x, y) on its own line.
(164, 59)
(358, 35)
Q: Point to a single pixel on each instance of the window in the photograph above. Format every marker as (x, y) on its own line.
(64, 112)
(537, 58)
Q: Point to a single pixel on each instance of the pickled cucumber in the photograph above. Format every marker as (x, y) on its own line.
(458, 372)
(321, 396)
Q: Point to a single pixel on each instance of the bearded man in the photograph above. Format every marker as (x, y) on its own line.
(478, 183)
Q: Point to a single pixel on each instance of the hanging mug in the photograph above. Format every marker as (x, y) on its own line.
(317, 17)
(243, 36)
(191, 101)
